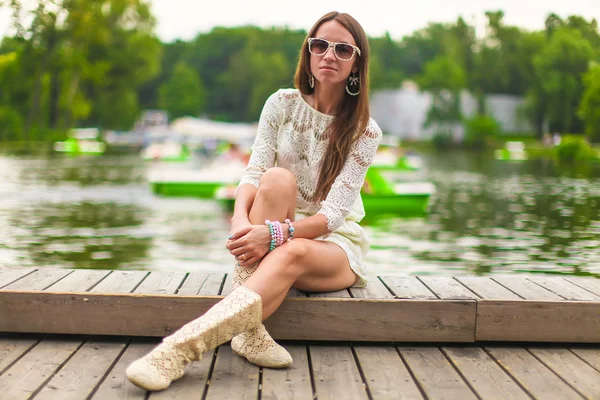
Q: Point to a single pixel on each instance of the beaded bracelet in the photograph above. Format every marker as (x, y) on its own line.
(273, 238)
(290, 229)
(278, 233)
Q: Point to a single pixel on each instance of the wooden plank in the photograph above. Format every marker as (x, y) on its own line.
(582, 377)
(81, 280)
(336, 374)
(408, 287)
(590, 284)
(202, 284)
(116, 385)
(385, 373)
(531, 374)
(539, 321)
(338, 294)
(525, 288)
(9, 275)
(372, 320)
(483, 374)
(161, 282)
(120, 282)
(80, 375)
(227, 285)
(192, 384)
(591, 356)
(486, 288)
(227, 288)
(12, 347)
(435, 374)
(233, 377)
(296, 319)
(289, 383)
(564, 288)
(39, 280)
(293, 292)
(374, 290)
(447, 288)
(37, 366)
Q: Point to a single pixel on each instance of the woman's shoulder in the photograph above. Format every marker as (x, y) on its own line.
(373, 130)
(283, 96)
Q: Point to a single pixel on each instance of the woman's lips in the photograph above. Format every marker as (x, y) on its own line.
(328, 68)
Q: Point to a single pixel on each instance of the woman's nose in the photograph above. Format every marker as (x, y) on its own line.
(329, 53)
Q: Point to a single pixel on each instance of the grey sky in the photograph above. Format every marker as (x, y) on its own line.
(185, 18)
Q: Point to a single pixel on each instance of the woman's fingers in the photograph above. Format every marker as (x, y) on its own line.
(234, 244)
(249, 261)
(238, 234)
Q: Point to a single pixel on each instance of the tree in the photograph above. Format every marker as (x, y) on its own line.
(183, 93)
(445, 79)
(559, 67)
(589, 109)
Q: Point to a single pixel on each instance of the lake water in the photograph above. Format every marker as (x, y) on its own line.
(488, 217)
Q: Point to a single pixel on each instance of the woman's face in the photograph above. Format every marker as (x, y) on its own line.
(328, 69)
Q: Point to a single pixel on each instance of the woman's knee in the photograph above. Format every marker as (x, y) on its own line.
(277, 180)
(292, 255)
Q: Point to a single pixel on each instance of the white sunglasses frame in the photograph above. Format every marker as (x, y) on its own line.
(333, 44)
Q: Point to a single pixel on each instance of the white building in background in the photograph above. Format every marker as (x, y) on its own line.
(402, 112)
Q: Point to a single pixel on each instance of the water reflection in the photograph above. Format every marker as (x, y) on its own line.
(488, 217)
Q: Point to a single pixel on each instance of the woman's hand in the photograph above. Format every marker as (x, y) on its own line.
(249, 244)
(237, 224)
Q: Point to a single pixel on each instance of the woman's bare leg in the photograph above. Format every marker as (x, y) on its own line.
(311, 265)
(306, 264)
(276, 197)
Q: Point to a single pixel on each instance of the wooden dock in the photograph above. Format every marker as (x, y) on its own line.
(41, 367)
(56, 321)
(391, 309)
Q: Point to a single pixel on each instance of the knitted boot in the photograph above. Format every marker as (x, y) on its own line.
(236, 313)
(256, 345)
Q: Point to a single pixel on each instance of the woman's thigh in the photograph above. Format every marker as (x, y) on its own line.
(325, 267)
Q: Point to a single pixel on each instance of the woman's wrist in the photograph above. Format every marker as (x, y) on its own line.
(286, 233)
(239, 217)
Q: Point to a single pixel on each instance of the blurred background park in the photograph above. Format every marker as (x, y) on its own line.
(121, 143)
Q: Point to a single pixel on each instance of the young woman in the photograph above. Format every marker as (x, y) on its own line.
(297, 209)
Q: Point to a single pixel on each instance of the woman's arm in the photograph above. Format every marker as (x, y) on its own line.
(263, 155)
(243, 202)
(264, 149)
(346, 187)
(344, 191)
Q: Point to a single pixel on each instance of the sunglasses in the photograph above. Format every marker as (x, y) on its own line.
(343, 51)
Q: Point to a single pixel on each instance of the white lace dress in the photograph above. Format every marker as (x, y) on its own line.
(293, 135)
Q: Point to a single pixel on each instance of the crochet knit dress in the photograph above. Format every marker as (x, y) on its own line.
(293, 135)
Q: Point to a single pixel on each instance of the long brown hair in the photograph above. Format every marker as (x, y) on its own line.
(352, 114)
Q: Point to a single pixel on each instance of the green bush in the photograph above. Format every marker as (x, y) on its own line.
(11, 124)
(573, 149)
(480, 131)
(442, 141)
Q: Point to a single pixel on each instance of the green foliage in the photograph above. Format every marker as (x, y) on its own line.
(11, 124)
(183, 93)
(560, 67)
(574, 149)
(98, 63)
(443, 141)
(443, 72)
(589, 109)
(480, 131)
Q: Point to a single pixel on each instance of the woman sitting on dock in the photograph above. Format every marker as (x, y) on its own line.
(295, 222)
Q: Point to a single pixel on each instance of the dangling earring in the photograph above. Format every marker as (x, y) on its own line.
(353, 81)
(311, 81)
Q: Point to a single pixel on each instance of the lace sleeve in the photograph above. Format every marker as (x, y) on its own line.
(346, 187)
(265, 143)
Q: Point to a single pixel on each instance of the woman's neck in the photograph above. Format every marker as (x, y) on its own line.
(325, 99)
